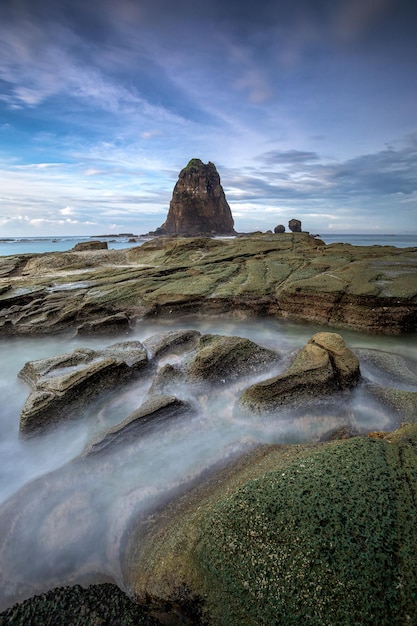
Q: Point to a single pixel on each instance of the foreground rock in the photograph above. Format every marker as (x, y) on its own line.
(198, 203)
(323, 366)
(222, 359)
(154, 412)
(323, 534)
(62, 385)
(289, 275)
(78, 606)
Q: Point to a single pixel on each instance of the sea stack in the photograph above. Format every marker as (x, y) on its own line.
(198, 204)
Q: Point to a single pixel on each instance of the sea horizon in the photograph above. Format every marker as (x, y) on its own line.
(10, 245)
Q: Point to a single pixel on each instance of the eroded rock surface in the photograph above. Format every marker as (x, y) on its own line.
(290, 275)
(323, 366)
(222, 358)
(154, 412)
(63, 384)
(198, 203)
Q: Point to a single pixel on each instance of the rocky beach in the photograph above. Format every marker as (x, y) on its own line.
(233, 456)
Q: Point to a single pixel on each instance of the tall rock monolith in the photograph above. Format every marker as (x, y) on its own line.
(198, 204)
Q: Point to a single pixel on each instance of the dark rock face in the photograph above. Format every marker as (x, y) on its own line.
(294, 226)
(279, 229)
(90, 245)
(198, 203)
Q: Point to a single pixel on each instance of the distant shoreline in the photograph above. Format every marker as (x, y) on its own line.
(63, 243)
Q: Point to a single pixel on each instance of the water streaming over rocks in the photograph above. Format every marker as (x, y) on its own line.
(64, 515)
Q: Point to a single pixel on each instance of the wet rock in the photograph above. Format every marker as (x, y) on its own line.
(323, 366)
(64, 383)
(220, 359)
(167, 379)
(83, 246)
(177, 341)
(285, 532)
(75, 606)
(109, 325)
(294, 276)
(198, 203)
(157, 410)
(403, 402)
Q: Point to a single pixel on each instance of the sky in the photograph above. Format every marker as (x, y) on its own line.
(308, 109)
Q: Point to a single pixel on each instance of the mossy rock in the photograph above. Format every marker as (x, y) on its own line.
(102, 604)
(329, 540)
(323, 534)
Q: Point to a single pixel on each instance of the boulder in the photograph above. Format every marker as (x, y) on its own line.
(83, 246)
(294, 226)
(61, 385)
(220, 359)
(198, 203)
(279, 229)
(320, 534)
(176, 341)
(323, 366)
(155, 411)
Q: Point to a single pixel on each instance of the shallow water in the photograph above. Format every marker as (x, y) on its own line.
(63, 521)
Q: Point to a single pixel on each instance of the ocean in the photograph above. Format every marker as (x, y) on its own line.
(23, 245)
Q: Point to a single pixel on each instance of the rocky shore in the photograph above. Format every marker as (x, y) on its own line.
(289, 275)
(321, 533)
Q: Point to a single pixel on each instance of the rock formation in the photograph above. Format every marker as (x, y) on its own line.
(61, 385)
(83, 246)
(279, 229)
(323, 366)
(295, 276)
(294, 226)
(198, 203)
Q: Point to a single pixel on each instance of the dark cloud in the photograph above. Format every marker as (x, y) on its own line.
(304, 175)
(287, 157)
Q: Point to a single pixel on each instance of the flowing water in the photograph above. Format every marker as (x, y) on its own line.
(63, 519)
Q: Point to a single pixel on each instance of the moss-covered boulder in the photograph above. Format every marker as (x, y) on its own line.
(322, 534)
(323, 366)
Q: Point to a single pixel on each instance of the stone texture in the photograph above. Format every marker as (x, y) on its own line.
(63, 384)
(220, 359)
(198, 203)
(154, 412)
(82, 246)
(294, 226)
(282, 534)
(279, 229)
(175, 341)
(289, 275)
(323, 366)
(109, 325)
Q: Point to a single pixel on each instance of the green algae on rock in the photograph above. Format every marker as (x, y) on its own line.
(321, 534)
(290, 275)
